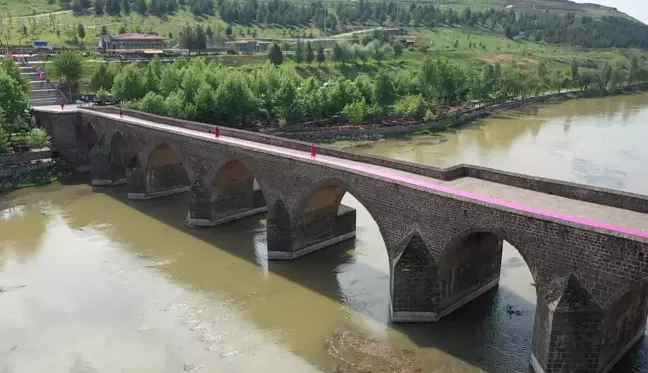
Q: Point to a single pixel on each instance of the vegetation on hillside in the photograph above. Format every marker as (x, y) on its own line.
(539, 23)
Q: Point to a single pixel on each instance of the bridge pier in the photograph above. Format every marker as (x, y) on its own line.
(291, 239)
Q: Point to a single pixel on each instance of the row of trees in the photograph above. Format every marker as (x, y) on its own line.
(342, 53)
(158, 8)
(212, 93)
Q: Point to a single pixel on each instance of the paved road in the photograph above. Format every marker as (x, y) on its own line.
(599, 216)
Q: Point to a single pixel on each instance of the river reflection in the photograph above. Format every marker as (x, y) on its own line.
(95, 283)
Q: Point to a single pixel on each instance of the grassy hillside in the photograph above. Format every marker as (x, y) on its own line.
(554, 6)
(469, 46)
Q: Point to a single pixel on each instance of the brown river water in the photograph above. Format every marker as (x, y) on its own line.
(91, 282)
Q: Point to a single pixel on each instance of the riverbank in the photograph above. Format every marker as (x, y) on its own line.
(395, 127)
(28, 169)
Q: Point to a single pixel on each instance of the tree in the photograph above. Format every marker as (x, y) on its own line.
(13, 99)
(542, 70)
(361, 52)
(332, 22)
(38, 139)
(86, 4)
(209, 33)
(188, 38)
(67, 64)
(321, 57)
(104, 30)
(125, 6)
(619, 76)
(201, 39)
(113, 7)
(604, 76)
(172, 6)
(141, 7)
(235, 100)
(299, 53)
(81, 31)
(122, 29)
(574, 71)
(310, 56)
(398, 49)
(275, 55)
(338, 53)
(634, 71)
(77, 8)
(129, 84)
(99, 7)
(102, 78)
(229, 31)
(383, 91)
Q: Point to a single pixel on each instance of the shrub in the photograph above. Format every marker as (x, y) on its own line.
(4, 140)
(38, 139)
(429, 116)
(410, 105)
(356, 111)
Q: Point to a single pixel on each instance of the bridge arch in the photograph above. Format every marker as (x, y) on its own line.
(331, 190)
(87, 136)
(471, 262)
(324, 214)
(121, 154)
(319, 215)
(166, 172)
(225, 193)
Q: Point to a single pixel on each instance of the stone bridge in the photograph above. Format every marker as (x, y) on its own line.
(587, 248)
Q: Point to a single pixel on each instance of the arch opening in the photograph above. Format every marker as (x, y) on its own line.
(87, 136)
(471, 266)
(234, 189)
(120, 156)
(470, 263)
(333, 214)
(233, 193)
(165, 171)
(321, 216)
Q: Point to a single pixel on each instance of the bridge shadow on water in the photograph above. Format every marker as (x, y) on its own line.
(492, 333)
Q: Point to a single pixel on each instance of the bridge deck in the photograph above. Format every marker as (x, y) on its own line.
(591, 214)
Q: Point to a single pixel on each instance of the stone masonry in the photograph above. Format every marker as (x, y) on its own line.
(444, 250)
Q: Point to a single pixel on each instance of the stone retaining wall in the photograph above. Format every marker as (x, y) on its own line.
(8, 159)
(602, 196)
